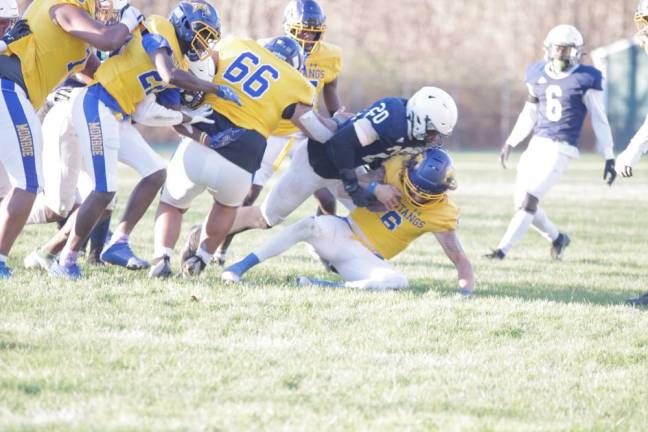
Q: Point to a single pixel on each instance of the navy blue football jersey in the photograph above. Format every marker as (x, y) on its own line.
(561, 109)
(389, 118)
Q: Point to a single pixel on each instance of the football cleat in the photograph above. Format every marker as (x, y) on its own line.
(193, 266)
(559, 245)
(641, 300)
(161, 268)
(5, 272)
(191, 245)
(496, 254)
(121, 254)
(72, 272)
(39, 259)
(220, 257)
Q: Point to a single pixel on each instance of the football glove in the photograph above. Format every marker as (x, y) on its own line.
(225, 138)
(609, 171)
(228, 93)
(360, 196)
(131, 17)
(200, 115)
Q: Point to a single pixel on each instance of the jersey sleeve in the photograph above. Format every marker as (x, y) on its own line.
(386, 116)
(152, 42)
(86, 5)
(442, 217)
(597, 79)
(534, 72)
(169, 97)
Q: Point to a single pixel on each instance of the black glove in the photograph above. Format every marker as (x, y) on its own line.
(609, 170)
(17, 31)
(360, 196)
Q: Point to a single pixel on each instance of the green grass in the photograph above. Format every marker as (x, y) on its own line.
(543, 346)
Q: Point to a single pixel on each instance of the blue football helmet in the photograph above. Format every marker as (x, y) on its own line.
(197, 26)
(304, 21)
(288, 50)
(428, 176)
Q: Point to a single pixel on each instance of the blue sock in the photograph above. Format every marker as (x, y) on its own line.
(244, 265)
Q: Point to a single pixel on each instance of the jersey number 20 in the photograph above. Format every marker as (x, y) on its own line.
(254, 77)
(554, 107)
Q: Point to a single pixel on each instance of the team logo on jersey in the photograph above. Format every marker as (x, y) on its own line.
(25, 139)
(96, 139)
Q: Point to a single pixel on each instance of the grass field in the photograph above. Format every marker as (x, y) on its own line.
(543, 346)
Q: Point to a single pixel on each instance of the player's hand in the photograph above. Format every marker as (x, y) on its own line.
(131, 17)
(200, 115)
(388, 195)
(505, 152)
(17, 31)
(360, 196)
(227, 93)
(609, 171)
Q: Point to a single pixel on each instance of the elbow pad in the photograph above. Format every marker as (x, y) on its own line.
(314, 127)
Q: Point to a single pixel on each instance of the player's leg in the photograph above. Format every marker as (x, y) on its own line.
(228, 184)
(98, 133)
(276, 146)
(539, 169)
(136, 153)
(178, 192)
(21, 158)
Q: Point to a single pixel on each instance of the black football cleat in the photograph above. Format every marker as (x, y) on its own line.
(559, 245)
(496, 254)
(641, 300)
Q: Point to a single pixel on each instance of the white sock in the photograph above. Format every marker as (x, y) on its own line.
(544, 226)
(118, 236)
(285, 239)
(3, 258)
(517, 228)
(204, 255)
(162, 252)
(38, 213)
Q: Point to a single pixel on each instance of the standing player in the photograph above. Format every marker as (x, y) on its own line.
(359, 246)
(561, 92)
(151, 62)
(39, 52)
(387, 127)
(222, 157)
(304, 21)
(639, 143)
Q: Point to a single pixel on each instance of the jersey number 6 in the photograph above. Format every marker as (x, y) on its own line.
(554, 107)
(255, 77)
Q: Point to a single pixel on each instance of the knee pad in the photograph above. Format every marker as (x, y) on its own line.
(530, 204)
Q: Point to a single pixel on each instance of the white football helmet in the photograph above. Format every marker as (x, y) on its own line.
(204, 69)
(430, 112)
(563, 47)
(641, 15)
(9, 9)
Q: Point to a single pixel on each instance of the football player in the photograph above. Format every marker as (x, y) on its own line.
(385, 128)
(222, 157)
(561, 92)
(304, 21)
(38, 52)
(639, 143)
(152, 61)
(358, 246)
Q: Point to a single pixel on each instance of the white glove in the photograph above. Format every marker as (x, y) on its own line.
(131, 17)
(119, 4)
(200, 115)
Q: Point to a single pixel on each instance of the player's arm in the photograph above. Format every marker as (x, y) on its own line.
(173, 75)
(310, 122)
(451, 245)
(86, 76)
(331, 97)
(594, 100)
(632, 154)
(374, 181)
(523, 127)
(81, 25)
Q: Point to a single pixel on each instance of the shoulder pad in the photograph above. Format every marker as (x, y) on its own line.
(534, 72)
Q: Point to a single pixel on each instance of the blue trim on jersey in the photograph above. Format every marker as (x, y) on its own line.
(95, 133)
(169, 97)
(152, 42)
(23, 134)
(99, 91)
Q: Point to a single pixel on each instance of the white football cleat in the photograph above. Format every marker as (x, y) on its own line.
(230, 277)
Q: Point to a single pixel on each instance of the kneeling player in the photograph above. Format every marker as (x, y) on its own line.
(223, 158)
(359, 245)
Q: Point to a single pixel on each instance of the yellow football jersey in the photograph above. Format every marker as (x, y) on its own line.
(391, 232)
(265, 84)
(323, 65)
(131, 75)
(49, 54)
